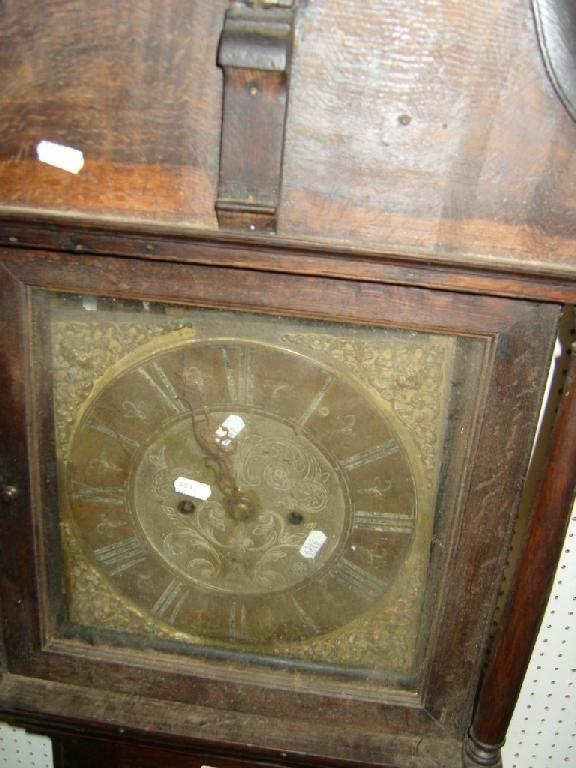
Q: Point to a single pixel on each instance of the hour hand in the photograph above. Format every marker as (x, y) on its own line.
(218, 448)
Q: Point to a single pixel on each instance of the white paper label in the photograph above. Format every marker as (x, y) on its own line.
(60, 156)
(230, 428)
(193, 488)
(313, 544)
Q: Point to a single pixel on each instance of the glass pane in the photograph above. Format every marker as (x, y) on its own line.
(251, 486)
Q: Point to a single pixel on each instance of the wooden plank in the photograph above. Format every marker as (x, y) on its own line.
(68, 709)
(408, 267)
(261, 291)
(412, 125)
(483, 521)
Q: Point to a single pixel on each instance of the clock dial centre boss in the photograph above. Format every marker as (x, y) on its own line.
(251, 490)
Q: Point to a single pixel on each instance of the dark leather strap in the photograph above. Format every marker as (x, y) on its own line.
(556, 25)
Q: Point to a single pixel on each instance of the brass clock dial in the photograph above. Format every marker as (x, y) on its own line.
(241, 491)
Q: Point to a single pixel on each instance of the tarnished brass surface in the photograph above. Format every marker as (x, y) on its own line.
(314, 542)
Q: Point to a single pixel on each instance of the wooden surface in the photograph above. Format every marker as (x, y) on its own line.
(152, 242)
(533, 579)
(254, 53)
(88, 753)
(425, 148)
(58, 709)
(65, 680)
(415, 125)
(81, 752)
(134, 86)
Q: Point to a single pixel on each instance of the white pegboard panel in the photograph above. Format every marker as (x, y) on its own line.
(19, 749)
(542, 733)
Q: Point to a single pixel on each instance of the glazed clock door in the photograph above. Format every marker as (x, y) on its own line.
(239, 479)
(269, 495)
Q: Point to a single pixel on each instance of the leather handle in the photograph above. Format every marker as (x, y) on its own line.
(254, 54)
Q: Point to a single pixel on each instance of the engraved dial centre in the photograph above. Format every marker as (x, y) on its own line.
(248, 535)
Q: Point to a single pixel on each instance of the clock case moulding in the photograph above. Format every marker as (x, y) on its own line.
(65, 683)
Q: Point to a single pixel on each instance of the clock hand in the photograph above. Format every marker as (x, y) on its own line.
(219, 448)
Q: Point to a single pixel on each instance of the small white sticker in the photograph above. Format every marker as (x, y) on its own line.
(230, 428)
(60, 156)
(193, 488)
(313, 544)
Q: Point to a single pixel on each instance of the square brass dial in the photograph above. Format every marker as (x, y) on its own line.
(253, 484)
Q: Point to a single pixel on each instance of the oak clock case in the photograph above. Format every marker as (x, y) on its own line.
(277, 497)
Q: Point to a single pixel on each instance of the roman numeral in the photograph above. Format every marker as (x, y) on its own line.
(112, 496)
(236, 620)
(170, 601)
(315, 402)
(375, 453)
(240, 387)
(163, 387)
(114, 435)
(306, 618)
(387, 522)
(121, 556)
(357, 579)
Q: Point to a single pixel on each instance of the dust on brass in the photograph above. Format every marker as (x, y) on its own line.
(247, 481)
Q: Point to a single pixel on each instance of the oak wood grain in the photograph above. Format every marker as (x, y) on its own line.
(405, 267)
(528, 595)
(423, 125)
(354, 720)
(57, 708)
(306, 295)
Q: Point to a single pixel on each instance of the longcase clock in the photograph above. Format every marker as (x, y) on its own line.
(280, 287)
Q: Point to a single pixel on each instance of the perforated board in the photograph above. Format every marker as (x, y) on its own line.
(542, 733)
(19, 749)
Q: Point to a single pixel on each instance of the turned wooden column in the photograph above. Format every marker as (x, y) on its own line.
(528, 596)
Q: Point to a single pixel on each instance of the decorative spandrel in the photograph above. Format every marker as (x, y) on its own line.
(246, 482)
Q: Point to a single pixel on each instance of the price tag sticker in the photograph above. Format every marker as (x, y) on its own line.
(60, 156)
(193, 488)
(313, 544)
(229, 429)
